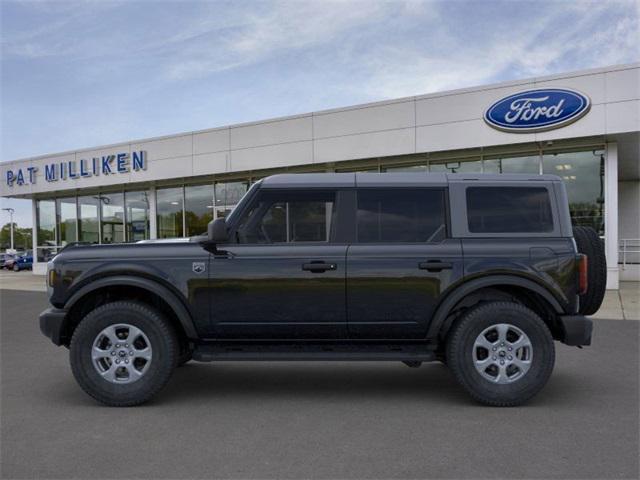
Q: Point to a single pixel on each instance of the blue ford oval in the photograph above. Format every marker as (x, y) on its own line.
(537, 110)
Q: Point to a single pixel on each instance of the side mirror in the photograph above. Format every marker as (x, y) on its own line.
(217, 231)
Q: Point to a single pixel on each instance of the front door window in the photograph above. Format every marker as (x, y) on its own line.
(288, 217)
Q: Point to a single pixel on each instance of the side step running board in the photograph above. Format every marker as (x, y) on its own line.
(216, 352)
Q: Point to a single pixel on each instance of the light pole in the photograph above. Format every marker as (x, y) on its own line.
(11, 212)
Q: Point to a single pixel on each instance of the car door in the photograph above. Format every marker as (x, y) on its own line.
(401, 262)
(284, 277)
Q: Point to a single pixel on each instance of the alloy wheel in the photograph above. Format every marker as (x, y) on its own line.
(502, 353)
(121, 353)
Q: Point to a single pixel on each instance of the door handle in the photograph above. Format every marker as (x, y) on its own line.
(435, 266)
(318, 267)
(221, 255)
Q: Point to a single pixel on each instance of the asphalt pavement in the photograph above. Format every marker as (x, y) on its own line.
(316, 420)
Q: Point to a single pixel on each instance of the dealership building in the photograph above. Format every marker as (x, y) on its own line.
(582, 126)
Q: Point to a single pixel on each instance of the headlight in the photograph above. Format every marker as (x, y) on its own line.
(52, 276)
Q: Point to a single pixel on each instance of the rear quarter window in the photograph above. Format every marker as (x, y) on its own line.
(509, 210)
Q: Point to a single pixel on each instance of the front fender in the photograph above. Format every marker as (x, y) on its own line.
(172, 299)
(77, 274)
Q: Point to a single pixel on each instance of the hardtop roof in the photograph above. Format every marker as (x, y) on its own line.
(406, 179)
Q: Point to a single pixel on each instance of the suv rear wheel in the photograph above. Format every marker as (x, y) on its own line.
(502, 353)
(123, 353)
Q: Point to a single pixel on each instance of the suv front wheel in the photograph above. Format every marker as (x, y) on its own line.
(502, 353)
(123, 353)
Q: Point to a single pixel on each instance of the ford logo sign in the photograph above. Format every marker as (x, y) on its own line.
(537, 110)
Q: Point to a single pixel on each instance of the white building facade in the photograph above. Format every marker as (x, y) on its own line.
(173, 186)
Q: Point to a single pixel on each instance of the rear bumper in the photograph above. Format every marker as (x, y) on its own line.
(577, 330)
(52, 324)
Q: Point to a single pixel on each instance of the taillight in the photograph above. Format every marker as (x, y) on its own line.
(583, 277)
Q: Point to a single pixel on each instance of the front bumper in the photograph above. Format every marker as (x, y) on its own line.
(52, 323)
(577, 330)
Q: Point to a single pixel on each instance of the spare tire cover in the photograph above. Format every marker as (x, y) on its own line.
(590, 244)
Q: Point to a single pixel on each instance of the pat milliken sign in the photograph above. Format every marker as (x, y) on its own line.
(537, 110)
(117, 163)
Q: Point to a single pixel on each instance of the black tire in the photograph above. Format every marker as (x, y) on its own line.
(590, 244)
(16, 268)
(185, 356)
(164, 347)
(460, 351)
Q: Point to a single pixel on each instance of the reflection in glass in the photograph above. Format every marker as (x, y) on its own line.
(169, 216)
(112, 217)
(363, 169)
(67, 220)
(137, 215)
(469, 166)
(44, 254)
(388, 215)
(88, 219)
(528, 164)
(273, 225)
(407, 168)
(46, 222)
(509, 210)
(241, 204)
(288, 217)
(198, 208)
(583, 175)
(227, 195)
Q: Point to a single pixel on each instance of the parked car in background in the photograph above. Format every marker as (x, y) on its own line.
(9, 261)
(6, 258)
(23, 262)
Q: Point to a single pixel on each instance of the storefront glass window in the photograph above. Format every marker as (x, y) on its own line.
(45, 230)
(169, 216)
(198, 208)
(528, 164)
(112, 217)
(363, 169)
(227, 195)
(46, 218)
(469, 166)
(137, 215)
(583, 175)
(88, 219)
(67, 220)
(407, 168)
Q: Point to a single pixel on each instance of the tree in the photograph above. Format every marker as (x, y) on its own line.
(22, 237)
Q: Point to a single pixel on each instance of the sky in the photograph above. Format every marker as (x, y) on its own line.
(88, 73)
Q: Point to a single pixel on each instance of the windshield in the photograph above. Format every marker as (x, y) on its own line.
(239, 207)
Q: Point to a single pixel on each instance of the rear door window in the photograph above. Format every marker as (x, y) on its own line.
(509, 210)
(401, 215)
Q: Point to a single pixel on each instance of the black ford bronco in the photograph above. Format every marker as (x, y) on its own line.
(481, 272)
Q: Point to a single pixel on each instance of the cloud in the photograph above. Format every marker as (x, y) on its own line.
(528, 47)
(285, 27)
(402, 48)
(52, 29)
(211, 37)
(114, 71)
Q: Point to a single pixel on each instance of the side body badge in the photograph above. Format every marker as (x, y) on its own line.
(198, 267)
